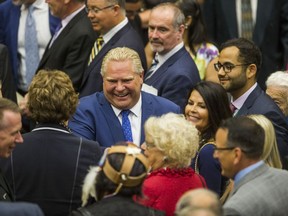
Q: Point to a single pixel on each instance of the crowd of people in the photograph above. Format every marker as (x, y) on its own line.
(143, 107)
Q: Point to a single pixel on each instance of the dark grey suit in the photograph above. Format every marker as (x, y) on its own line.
(263, 191)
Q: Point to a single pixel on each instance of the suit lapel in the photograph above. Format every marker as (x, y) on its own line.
(111, 119)
(147, 111)
(108, 46)
(249, 101)
(163, 68)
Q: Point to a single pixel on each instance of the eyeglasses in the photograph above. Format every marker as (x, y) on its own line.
(95, 10)
(223, 149)
(227, 67)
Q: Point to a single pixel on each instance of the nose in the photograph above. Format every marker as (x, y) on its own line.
(221, 72)
(153, 33)
(120, 86)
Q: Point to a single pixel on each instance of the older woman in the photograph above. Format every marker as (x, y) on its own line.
(50, 166)
(114, 182)
(170, 143)
(207, 106)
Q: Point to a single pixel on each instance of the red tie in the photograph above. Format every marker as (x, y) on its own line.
(233, 108)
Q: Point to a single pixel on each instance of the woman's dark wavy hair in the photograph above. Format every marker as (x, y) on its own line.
(105, 186)
(196, 31)
(217, 104)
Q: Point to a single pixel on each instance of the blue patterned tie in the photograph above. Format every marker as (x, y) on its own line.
(58, 27)
(152, 68)
(31, 47)
(126, 126)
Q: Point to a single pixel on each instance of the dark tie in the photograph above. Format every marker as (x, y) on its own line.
(31, 47)
(233, 108)
(96, 48)
(58, 27)
(126, 126)
(247, 21)
(152, 68)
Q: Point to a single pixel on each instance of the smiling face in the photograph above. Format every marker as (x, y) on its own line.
(163, 36)
(196, 111)
(121, 85)
(10, 135)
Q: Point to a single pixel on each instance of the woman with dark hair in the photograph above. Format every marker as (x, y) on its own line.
(114, 182)
(195, 36)
(207, 106)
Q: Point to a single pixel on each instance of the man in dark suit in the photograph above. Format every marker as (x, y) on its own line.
(238, 67)
(8, 88)
(108, 20)
(258, 189)
(100, 116)
(223, 21)
(10, 126)
(176, 73)
(13, 15)
(19, 209)
(69, 49)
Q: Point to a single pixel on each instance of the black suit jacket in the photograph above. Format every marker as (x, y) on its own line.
(8, 86)
(126, 37)
(49, 168)
(260, 103)
(6, 193)
(71, 49)
(19, 209)
(270, 31)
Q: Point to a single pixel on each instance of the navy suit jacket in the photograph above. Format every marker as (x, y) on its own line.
(19, 209)
(175, 78)
(95, 119)
(71, 49)
(258, 102)
(9, 24)
(126, 37)
(49, 168)
(270, 31)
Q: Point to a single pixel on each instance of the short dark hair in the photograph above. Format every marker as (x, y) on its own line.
(246, 134)
(217, 104)
(249, 53)
(7, 105)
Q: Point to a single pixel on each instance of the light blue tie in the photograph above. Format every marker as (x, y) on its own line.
(126, 126)
(31, 47)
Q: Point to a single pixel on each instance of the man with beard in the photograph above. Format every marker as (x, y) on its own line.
(238, 68)
(173, 72)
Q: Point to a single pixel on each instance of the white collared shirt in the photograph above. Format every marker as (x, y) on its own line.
(135, 117)
(41, 15)
(113, 31)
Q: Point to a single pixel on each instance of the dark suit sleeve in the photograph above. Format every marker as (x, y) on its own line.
(284, 32)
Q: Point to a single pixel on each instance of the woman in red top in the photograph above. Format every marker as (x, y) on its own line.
(171, 141)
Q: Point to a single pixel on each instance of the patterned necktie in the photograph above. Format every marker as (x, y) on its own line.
(247, 21)
(126, 126)
(233, 108)
(96, 48)
(152, 68)
(31, 47)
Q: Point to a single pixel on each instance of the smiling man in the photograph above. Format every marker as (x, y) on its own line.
(99, 116)
(238, 68)
(10, 126)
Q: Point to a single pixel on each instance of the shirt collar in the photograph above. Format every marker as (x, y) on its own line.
(238, 103)
(163, 58)
(136, 109)
(114, 30)
(67, 19)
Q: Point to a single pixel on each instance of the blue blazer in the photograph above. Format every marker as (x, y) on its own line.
(126, 37)
(175, 78)
(270, 31)
(258, 102)
(9, 24)
(95, 119)
(19, 209)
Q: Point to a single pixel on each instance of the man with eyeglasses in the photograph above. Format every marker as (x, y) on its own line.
(258, 189)
(238, 68)
(109, 20)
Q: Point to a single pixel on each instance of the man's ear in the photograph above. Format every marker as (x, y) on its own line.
(251, 71)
